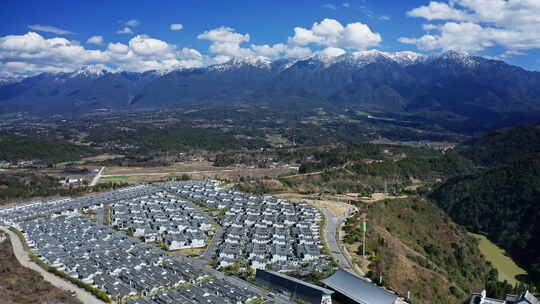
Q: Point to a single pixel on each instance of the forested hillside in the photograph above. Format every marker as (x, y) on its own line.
(504, 204)
(13, 148)
(31, 185)
(504, 146)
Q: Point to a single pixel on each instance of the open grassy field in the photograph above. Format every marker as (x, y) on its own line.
(195, 170)
(117, 177)
(508, 270)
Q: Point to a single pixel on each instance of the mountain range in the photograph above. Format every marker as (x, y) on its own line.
(461, 91)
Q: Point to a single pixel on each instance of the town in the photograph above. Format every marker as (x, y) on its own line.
(126, 245)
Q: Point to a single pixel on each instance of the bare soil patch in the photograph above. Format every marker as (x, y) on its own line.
(20, 285)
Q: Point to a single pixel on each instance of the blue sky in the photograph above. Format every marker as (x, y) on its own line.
(499, 29)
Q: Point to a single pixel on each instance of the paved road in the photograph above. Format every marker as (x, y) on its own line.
(210, 251)
(96, 178)
(331, 235)
(23, 258)
(100, 215)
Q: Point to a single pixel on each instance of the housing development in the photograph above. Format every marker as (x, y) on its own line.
(263, 231)
(127, 244)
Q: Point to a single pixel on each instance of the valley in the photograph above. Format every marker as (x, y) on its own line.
(270, 152)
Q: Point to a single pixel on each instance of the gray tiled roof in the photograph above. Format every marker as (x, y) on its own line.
(359, 289)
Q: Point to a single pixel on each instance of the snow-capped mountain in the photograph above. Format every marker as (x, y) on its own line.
(453, 83)
(91, 71)
(236, 63)
(10, 80)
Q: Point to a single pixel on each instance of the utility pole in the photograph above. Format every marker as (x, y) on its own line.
(364, 240)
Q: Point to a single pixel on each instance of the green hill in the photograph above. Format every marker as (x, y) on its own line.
(502, 203)
(504, 146)
(416, 247)
(15, 148)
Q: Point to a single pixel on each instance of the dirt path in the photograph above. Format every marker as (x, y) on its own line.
(23, 258)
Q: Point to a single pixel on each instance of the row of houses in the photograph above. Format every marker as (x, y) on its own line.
(207, 291)
(264, 231)
(162, 218)
(108, 260)
(70, 206)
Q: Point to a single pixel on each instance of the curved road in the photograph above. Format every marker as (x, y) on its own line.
(331, 235)
(23, 258)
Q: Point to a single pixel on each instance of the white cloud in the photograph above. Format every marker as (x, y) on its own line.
(269, 51)
(439, 11)
(118, 48)
(384, 18)
(330, 6)
(346, 4)
(176, 27)
(332, 52)
(225, 41)
(430, 27)
(49, 29)
(95, 40)
(297, 52)
(125, 30)
(464, 37)
(36, 54)
(512, 24)
(146, 46)
(29, 54)
(330, 32)
(132, 23)
(507, 54)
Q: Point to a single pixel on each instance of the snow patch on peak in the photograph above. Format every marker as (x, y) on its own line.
(10, 80)
(255, 61)
(166, 71)
(406, 57)
(362, 58)
(90, 71)
(367, 57)
(464, 59)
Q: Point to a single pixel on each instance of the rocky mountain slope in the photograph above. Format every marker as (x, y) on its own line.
(458, 90)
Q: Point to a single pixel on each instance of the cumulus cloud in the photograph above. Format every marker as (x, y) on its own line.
(95, 40)
(176, 27)
(118, 48)
(332, 33)
(332, 52)
(474, 25)
(49, 29)
(125, 30)
(226, 41)
(28, 54)
(437, 11)
(146, 46)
